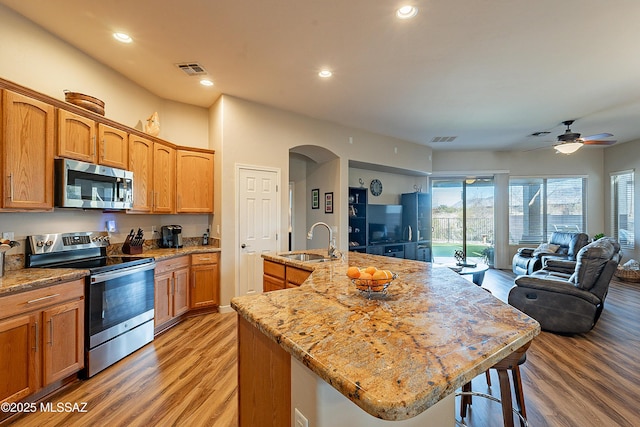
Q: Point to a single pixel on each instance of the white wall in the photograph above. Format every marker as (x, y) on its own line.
(393, 184)
(249, 133)
(619, 158)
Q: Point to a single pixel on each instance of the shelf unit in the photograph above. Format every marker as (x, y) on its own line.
(357, 219)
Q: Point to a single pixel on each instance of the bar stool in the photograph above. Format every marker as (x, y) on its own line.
(510, 363)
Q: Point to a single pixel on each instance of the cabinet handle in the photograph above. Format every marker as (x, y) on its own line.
(42, 299)
(104, 144)
(11, 187)
(93, 146)
(50, 332)
(36, 341)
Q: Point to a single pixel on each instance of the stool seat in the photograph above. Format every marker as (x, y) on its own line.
(510, 363)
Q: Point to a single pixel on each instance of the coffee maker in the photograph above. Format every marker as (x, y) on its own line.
(171, 236)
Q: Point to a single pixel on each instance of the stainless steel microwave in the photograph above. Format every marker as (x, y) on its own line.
(89, 186)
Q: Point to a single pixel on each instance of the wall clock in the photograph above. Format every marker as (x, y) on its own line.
(376, 187)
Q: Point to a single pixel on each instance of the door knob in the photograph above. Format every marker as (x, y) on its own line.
(243, 246)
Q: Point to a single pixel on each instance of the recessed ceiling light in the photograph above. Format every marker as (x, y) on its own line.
(206, 82)
(406, 12)
(325, 74)
(122, 37)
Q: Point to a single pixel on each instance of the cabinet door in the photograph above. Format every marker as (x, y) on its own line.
(164, 179)
(19, 352)
(194, 182)
(270, 283)
(180, 291)
(76, 137)
(141, 164)
(113, 147)
(27, 152)
(205, 286)
(296, 276)
(63, 344)
(162, 297)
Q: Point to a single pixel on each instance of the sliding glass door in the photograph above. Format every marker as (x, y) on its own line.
(462, 219)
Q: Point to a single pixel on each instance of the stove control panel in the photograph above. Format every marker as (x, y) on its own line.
(60, 242)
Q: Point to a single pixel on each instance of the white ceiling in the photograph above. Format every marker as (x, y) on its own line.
(490, 72)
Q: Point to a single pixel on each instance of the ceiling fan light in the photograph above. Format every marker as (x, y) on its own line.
(568, 148)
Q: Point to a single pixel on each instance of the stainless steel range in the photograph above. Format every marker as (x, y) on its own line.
(118, 293)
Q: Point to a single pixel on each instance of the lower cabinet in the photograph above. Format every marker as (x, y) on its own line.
(171, 291)
(278, 276)
(205, 280)
(41, 338)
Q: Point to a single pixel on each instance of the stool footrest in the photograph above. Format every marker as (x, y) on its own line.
(490, 397)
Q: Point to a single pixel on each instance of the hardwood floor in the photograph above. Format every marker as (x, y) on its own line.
(188, 376)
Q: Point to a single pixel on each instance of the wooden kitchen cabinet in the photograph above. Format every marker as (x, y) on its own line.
(171, 291)
(205, 280)
(295, 276)
(27, 144)
(113, 147)
(194, 181)
(141, 164)
(273, 278)
(164, 178)
(76, 137)
(81, 138)
(278, 276)
(41, 338)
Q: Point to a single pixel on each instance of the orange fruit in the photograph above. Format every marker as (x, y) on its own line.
(379, 275)
(353, 272)
(365, 276)
(370, 270)
(388, 273)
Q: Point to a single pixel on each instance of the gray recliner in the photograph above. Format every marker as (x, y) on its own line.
(528, 260)
(569, 303)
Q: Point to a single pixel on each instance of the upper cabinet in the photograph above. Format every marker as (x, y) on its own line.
(194, 181)
(164, 178)
(112, 146)
(141, 164)
(27, 152)
(76, 137)
(83, 139)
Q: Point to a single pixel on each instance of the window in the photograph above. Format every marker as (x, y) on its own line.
(540, 206)
(622, 208)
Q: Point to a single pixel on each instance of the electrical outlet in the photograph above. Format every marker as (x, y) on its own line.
(8, 235)
(300, 420)
(153, 230)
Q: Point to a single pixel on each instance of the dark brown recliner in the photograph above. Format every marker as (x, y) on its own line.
(569, 303)
(528, 260)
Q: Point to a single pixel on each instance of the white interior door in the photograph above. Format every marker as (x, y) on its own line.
(258, 224)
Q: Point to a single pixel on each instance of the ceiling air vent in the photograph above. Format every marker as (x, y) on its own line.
(192, 68)
(443, 138)
(540, 133)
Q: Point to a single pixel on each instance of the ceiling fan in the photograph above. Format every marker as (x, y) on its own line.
(570, 142)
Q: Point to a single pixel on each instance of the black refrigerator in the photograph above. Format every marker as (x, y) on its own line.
(416, 223)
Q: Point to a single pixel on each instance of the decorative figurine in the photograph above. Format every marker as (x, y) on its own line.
(153, 125)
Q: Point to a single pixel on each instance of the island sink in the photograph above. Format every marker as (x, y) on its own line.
(305, 257)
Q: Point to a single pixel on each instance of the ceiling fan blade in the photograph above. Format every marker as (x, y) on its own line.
(598, 136)
(599, 142)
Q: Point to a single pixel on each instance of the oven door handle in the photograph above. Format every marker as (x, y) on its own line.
(109, 275)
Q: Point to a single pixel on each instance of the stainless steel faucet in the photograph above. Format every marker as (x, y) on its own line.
(331, 251)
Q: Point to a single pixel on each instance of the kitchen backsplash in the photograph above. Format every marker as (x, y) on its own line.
(16, 261)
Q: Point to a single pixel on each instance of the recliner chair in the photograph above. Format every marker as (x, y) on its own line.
(528, 260)
(569, 303)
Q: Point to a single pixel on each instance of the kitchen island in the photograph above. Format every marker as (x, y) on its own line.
(394, 357)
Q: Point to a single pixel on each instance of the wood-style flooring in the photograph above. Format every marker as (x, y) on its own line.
(187, 376)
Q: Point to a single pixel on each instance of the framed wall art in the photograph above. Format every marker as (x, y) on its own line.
(315, 198)
(328, 202)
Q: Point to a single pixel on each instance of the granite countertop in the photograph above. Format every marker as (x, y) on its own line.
(397, 356)
(26, 279)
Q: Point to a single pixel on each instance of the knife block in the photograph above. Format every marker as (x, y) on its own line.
(128, 249)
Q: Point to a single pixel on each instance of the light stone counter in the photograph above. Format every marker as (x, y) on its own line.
(393, 357)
